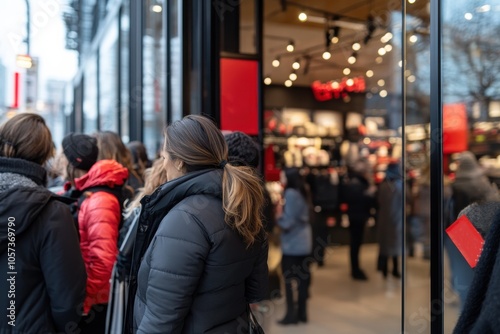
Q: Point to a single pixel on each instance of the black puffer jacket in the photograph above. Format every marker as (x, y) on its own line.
(48, 271)
(197, 275)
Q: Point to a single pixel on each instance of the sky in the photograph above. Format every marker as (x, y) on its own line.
(47, 41)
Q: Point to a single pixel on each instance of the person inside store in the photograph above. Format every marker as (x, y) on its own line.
(470, 186)
(390, 220)
(296, 243)
(97, 216)
(43, 274)
(200, 257)
(358, 192)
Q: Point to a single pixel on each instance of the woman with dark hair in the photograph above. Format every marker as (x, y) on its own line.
(39, 251)
(200, 254)
(296, 243)
(140, 158)
(111, 147)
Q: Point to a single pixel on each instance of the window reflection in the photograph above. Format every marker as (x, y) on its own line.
(124, 71)
(153, 77)
(90, 96)
(108, 83)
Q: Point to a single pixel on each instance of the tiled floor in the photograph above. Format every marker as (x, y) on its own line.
(340, 305)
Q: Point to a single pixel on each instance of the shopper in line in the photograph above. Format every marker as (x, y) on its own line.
(111, 147)
(154, 177)
(470, 186)
(358, 192)
(38, 241)
(140, 158)
(98, 218)
(202, 243)
(481, 312)
(296, 244)
(390, 220)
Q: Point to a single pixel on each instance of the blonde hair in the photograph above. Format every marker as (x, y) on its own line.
(153, 178)
(26, 136)
(199, 144)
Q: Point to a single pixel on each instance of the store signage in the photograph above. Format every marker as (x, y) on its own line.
(336, 90)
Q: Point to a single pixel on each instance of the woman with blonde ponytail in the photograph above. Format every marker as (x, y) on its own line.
(201, 252)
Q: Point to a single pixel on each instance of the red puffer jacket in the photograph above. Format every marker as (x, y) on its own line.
(98, 220)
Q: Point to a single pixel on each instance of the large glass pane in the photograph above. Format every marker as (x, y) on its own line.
(108, 79)
(417, 163)
(153, 78)
(333, 103)
(176, 60)
(90, 95)
(471, 91)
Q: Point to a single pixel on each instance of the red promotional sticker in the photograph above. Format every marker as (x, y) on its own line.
(467, 239)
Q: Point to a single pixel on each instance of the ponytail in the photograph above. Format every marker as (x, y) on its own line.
(242, 201)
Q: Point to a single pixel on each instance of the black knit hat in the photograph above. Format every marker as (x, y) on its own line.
(242, 149)
(80, 150)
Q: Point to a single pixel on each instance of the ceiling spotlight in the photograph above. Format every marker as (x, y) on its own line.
(347, 71)
(379, 60)
(156, 8)
(386, 38)
(356, 46)
(302, 17)
(296, 64)
(267, 80)
(413, 39)
(335, 85)
(382, 51)
(276, 62)
(334, 40)
(369, 73)
(383, 93)
(290, 47)
(381, 82)
(335, 36)
(351, 60)
(293, 76)
(411, 1)
(327, 55)
(407, 73)
(349, 82)
(288, 83)
(400, 63)
(388, 47)
(412, 78)
(468, 16)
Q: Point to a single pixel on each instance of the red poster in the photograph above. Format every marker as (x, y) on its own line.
(239, 99)
(455, 130)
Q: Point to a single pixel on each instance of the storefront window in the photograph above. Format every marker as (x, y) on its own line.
(108, 79)
(124, 71)
(153, 77)
(90, 96)
(176, 60)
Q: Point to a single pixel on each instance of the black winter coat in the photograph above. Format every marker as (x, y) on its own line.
(355, 193)
(47, 284)
(197, 276)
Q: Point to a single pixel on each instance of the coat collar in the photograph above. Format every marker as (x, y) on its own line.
(31, 170)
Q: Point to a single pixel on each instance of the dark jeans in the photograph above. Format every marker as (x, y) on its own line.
(356, 231)
(383, 266)
(296, 268)
(95, 321)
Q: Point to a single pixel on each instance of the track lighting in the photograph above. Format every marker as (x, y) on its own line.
(303, 17)
(327, 55)
(352, 59)
(291, 46)
(267, 80)
(296, 64)
(276, 62)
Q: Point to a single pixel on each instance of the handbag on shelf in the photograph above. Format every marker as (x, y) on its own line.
(253, 325)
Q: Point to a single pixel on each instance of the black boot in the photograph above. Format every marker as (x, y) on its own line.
(395, 267)
(291, 315)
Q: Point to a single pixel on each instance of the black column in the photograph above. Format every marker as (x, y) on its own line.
(135, 77)
(437, 274)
